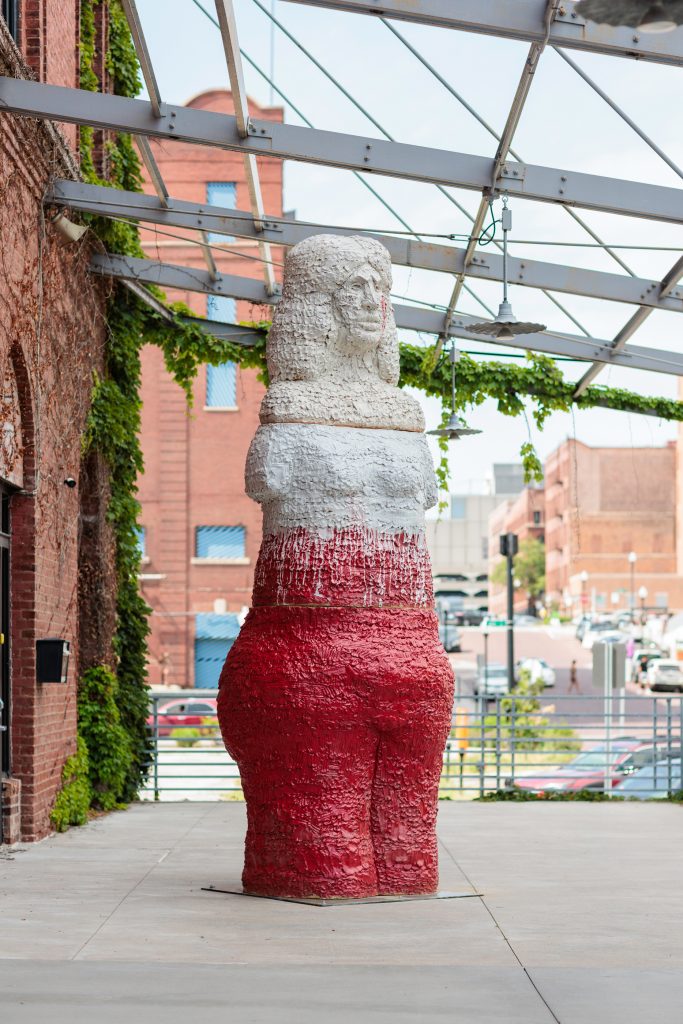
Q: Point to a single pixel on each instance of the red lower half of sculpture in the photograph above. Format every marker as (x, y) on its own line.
(337, 718)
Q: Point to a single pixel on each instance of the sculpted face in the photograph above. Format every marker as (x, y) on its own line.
(360, 305)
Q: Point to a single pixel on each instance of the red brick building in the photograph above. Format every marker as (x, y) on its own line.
(602, 504)
(524, 516)
(201, 534)
(51, 340)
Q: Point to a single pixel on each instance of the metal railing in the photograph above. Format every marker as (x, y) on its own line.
(514, 745)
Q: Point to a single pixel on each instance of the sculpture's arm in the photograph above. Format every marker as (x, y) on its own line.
(431, 490)
(268, 471)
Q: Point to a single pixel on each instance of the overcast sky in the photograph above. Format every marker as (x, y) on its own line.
(564, 125)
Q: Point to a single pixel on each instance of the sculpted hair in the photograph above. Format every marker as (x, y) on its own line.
(301, 342)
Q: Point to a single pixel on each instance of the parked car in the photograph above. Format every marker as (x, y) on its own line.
(665, 676)
(653, 782)
(538, 669)
(582, 625)
(587, 770)
(605, 631)
(492, 682)
(450, 636)
(182, 712)
(526, 620)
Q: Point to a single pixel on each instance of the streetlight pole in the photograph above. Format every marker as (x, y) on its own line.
(642, 594)
(632, 558)
(509, 546)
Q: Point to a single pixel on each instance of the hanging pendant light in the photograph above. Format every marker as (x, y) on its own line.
(506, 325)
(455, 428)
(648, 18)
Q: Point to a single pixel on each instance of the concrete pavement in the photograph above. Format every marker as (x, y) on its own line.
(579, 922)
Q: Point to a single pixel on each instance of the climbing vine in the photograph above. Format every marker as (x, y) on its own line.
(114, 421)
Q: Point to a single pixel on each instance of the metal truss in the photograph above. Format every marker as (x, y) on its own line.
(482, 265)
(522, 20)
(333, 149)
(541, 23)
(183, 278)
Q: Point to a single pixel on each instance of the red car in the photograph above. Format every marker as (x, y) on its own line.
(187, 711)
(587, 770)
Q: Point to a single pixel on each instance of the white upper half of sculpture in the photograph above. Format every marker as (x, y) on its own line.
(340, 444)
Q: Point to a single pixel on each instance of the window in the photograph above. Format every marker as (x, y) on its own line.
(221, 381)
(221, 193)
(537, 518)
(457, 508)
(224, 542)
(220, 308)
(10, 12)
(141, 534)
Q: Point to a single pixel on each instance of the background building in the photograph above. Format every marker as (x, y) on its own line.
(201, 533)
(524, 516)
(602, 504)
(459, 545)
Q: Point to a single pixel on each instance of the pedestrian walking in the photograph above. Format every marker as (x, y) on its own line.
(573, 679)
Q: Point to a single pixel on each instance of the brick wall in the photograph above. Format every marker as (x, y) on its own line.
(51, 338)
(194, 462)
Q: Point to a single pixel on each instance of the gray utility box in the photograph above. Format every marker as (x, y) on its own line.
(609, 665)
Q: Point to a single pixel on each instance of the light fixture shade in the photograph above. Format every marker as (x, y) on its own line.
(454, 429)
(505, 326)
(641, 14)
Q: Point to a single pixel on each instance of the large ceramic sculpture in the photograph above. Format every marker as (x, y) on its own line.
(335, 700)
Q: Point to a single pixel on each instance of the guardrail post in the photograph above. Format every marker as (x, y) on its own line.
(498, 743)
(482, 744)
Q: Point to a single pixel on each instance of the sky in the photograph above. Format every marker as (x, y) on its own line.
(564, 125)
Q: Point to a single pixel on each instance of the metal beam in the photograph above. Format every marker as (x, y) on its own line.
(521, 20)
(233, 58)
(665, 287)
(485, 265)
(407, 317)
(332, 149)
(144, 59)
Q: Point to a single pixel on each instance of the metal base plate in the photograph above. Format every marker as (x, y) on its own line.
(315, 902)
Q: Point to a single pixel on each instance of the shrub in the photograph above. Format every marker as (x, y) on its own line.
(109, 746)
(73, 800)
(186, 735)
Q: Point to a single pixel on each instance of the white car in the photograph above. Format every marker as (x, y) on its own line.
(665, 675)
(538, 669)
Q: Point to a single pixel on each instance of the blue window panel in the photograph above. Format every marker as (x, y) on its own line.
(141, 534)
(209, 658)
(218, 307)
(458, 508)
(221, 193)
(221, 386)
(216, 626)
(220, 541)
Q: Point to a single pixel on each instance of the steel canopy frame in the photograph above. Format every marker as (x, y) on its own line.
(334, 149)
(521, 20)
(483, 265)
(144, 271)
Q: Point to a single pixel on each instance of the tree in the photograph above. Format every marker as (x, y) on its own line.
(529, 569)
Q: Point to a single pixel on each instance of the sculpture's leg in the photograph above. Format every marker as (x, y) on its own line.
(404, 806)
(307, 786)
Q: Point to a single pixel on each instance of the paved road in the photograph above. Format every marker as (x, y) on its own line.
(558, 646)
